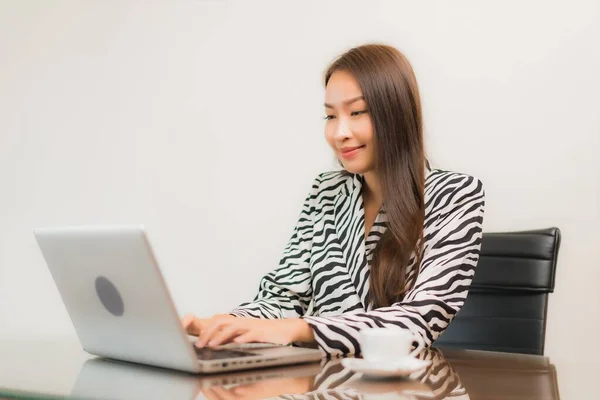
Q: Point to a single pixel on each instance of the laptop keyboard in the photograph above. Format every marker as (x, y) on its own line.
(207, 353)
(248, 346)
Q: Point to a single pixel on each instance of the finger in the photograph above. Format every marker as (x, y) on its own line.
(247, 337)
(210, 394)
(223, 393)
(210, 331)
(239, 391)
(223, 316)
(192, 325)
(224, 335)
(186, 320)
(243, 390)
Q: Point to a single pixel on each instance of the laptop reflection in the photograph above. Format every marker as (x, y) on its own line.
(101, 378)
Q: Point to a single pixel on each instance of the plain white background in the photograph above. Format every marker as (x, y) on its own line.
(203, 121)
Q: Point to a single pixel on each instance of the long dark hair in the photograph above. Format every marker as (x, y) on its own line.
(390, 90)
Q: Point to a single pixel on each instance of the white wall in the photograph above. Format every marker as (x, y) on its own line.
(202, 120)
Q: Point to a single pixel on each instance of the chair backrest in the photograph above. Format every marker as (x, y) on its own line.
(508, 299)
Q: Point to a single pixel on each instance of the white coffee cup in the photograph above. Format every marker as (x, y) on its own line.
(388, 344)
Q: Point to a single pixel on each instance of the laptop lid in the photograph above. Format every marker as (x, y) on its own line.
(115, 294)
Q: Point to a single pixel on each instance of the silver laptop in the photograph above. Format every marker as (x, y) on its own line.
(119, 304)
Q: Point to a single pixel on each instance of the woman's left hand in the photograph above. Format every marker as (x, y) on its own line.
(246, 330)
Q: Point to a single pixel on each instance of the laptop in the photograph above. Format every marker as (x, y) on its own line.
(119, 304)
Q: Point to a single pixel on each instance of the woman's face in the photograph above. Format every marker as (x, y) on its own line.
(348, 127)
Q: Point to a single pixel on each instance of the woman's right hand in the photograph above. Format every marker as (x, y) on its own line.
(262, 389)
(194, 325)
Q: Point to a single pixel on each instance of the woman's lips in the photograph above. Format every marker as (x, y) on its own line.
(349, 152)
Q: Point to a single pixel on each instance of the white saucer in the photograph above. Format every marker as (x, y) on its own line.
(401, 367)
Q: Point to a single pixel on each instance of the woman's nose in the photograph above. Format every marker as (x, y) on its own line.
(342, 129)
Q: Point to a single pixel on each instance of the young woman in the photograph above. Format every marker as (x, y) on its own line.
(386, 242)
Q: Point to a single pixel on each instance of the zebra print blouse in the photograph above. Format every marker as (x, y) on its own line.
(323, 275)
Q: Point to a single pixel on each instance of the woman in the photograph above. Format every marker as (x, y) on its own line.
(387, 242)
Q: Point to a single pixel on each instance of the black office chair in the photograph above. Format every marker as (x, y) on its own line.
(508, 300)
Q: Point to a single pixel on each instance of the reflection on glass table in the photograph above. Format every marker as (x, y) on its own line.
(106, 379)
(456, 374)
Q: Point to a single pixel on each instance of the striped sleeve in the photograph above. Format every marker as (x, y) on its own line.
(452, 243)
(286, 291)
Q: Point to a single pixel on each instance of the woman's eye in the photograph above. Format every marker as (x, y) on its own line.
(328, 117)
(355, 113)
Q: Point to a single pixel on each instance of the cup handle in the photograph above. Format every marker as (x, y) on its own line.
(420, 346)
